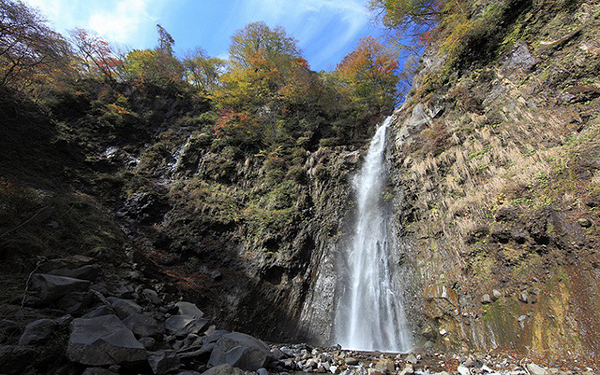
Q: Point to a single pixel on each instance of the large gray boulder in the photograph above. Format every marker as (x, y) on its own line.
(143, 325)
(224, 369)
(38, 332)
(240, 350)
(89, 272)
(49, 288)
(102, 341)
(183, 325)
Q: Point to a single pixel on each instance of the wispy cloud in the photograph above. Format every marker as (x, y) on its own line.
(129, 22)
(313, 21)
(326, 29)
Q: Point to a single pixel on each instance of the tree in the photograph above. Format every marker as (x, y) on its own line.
(157, 66)
(203, 72)
(370, 73)
(402, 14)
(30, 52)
(165, 41)
(257, 39)
(95, 53)
(152, 66)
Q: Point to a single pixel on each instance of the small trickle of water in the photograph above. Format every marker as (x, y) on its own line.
(370, 315)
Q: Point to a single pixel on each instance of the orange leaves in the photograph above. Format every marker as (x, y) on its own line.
(370, 72)
(238, 128)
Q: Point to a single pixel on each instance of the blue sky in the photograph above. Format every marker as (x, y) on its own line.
(327, 30)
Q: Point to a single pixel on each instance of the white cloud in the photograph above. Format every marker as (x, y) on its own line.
(130, 22)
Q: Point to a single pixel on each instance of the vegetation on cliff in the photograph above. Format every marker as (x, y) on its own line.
(498, 158)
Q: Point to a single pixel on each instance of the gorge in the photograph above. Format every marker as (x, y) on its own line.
(463, 229)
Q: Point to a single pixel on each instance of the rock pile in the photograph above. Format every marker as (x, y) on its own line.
(304, 359)
(122, 325)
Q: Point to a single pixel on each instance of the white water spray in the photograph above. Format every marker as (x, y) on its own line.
(370, 314)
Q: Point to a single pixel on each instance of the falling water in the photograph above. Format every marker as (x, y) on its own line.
(370, 314)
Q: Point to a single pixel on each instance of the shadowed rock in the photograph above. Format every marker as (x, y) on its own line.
(50, 287)
(240, 350)
(104, 340)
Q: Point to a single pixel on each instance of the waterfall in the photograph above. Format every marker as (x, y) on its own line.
(369, 314)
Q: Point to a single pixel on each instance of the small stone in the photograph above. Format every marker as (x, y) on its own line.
(148, 342)
(463, 370)
(351, 361)
(535, 369)
(443, 332)
(496, 295)
(411, 359)
(311, 364)
(262, 371)
(216, 275)
(523, 297)
(585, 223)
(485, 299)
(151, 296)
(408, 369)
(385, 365)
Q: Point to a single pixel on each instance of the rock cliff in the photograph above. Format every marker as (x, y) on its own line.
(495, 159)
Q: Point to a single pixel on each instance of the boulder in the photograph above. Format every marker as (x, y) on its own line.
(224, 369)
(523, 297)
(411, 359)
(151, 296)
(89, 272)
(183, 325)
(164, 361)
(143, 325)
(102, 341)
(15, 359)
(49, 288)
(38, 332)
(240, 350)
(72, 262)
(463, 370)
(97, 371)
(496, 295)
(486, 299)
(124, 307)
(99, 311)
(385, 364)
(75, 302)
(408, 369)
(148, 342)
(535, 369)
(188, 308)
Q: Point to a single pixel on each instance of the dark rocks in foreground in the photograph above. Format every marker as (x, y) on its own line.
(119, 330)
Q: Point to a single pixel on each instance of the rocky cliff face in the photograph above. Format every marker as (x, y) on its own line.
(495, 167)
